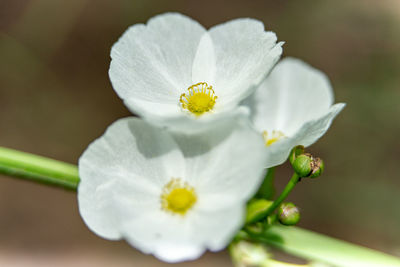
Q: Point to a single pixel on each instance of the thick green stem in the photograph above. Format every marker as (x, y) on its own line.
(317, 247)
(267, 190)
(38, 169)
(274, 263)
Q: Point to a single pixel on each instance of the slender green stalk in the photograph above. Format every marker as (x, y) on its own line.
(267, 190)
(316, 247)
(293, 181)
(38, 169)
(265, 212)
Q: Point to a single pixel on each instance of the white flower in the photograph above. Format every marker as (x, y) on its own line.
(173, 72)
(293, 106)
(172, 195)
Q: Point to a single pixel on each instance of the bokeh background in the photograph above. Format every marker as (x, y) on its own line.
(55, 98)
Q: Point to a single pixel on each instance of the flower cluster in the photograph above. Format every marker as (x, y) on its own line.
(175, 182)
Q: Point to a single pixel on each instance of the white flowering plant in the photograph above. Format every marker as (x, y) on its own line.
(217, 112)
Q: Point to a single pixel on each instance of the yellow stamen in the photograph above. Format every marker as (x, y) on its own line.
(274, 137)
(178, 197)
(199, 100)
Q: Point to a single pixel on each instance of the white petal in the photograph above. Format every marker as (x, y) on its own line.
(295, 99)
(174, 238)
(312, 130)
(293, 94)
(178, 121)
(119, 158)
(178, 252)
(308, 134)
(245, 53)
(158, 109)
(217, 228)
(225, 160)
(168, 237)
(154, 62)
(97, 211)
(204, 63)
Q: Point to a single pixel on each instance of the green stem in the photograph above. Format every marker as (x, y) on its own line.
(260, 209)
(274, 263)
(38, 169)
(267, 187)
(317, 247)
(291, 184)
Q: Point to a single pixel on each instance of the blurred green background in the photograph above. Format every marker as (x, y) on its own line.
(55, 98)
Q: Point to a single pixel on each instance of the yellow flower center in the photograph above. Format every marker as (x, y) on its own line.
(199, 99)
(273, 137)
(178, 197)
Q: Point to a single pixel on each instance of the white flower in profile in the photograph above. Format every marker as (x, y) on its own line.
(293, 106)
(171, 195)
(173, 72)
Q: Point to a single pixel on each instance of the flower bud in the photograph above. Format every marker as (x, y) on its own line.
(296, 151)
(302, 165)
(289, 214)
(305, 165)
(317, 166)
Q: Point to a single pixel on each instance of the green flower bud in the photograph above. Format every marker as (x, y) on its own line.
(289, 214)
(305, 165)
(317, 167)
(296, 151)
(302, 165)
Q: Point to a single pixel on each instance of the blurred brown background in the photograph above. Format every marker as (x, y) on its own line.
(55, 98)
